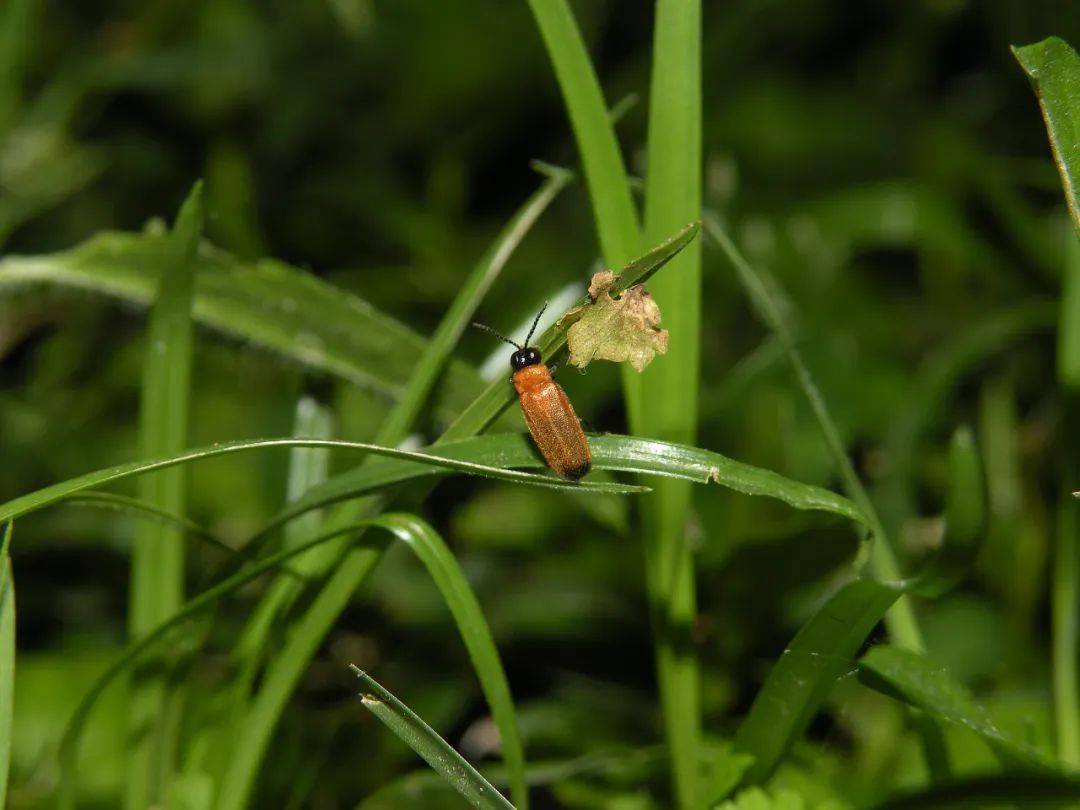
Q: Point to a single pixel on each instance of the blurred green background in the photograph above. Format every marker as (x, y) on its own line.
(885, 162)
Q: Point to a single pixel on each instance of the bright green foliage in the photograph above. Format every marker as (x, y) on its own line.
(7, 658)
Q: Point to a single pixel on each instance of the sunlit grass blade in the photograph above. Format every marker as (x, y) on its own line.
(1054, 70)
(498, 394)
(901, 620)
(1010, 790)
(157, 560)
(662, 402)
(438, 753)
(594, 130)
(7, 658)
(355, 565)
(926, 685)
(823, 649)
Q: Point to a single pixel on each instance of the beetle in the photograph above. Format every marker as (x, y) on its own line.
(548, 413)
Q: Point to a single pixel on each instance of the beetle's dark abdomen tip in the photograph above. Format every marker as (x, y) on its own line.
(579, 472)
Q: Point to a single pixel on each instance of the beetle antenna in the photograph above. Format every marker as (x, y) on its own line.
(496, 333)
(528, 340)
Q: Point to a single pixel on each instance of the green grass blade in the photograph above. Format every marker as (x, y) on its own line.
(7, 659)
(917, 681)
(438, 753)
(444, 569)
(1054, 70)
(1021, 790)
(132, 653)
(823, 648)
(348, 575)
(457, 318)
(662, 402)
(157, 560)
(901, 619)
(802, 676)
(499, 394)
(594, 130)
(123, 503)
(52, 494)
(264, 303)
(609, 452)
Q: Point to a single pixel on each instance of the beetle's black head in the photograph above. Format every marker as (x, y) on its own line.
(525, 357)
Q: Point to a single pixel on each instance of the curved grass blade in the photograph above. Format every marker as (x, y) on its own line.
(823, 649)
(156, 589)
(7, 658)
(1027, 791)
(49, 495)
(445, 571)
(594, 129)
(483, 410)
(901, 621)
(1054, 70)
(133, 651)
(609, 452)
(266, 303)
(912, 678)
(436, 751)
(142, 509)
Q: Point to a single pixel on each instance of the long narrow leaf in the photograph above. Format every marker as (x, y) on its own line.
(436, 751)
(7, 659)
(914, 679)
(662, 402)
(605, 171)
(242, 769)
(157, 560)
(1054, 70)
(824, 647)
(499, 394)
(49, 495)
(266, 303)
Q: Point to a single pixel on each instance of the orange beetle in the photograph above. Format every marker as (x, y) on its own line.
(548, 413)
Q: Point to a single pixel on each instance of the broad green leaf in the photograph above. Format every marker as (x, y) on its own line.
(7, 659)
(266, 303)
(916, 680)
(157, 561)
(823, 649)
(438, 753)
(1054, 70)
(1017, 790)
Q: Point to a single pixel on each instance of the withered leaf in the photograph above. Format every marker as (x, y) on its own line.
(617, 329)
